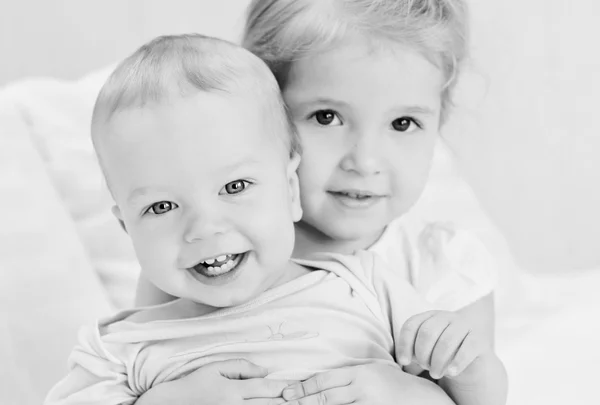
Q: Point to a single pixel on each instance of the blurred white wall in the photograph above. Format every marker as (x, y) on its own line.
(68, 38)
(526, 129)
(532, 146)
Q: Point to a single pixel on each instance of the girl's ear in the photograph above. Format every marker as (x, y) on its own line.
(117, 213)
(294, 186)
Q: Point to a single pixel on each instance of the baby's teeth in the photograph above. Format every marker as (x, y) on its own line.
(210, 268)
(210, 261)
(222, 258)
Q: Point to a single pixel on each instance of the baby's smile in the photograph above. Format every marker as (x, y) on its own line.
(219, 265)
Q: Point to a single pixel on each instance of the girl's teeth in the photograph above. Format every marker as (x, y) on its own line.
(222, 258)
(210, 261)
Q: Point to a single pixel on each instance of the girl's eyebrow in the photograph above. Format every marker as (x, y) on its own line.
(409, 109)
(323, 100)
(415, 109)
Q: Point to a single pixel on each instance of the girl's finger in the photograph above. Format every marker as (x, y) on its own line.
(335, 396)
(319, 383)
(264, 401)
(236, 369)
(261, 388)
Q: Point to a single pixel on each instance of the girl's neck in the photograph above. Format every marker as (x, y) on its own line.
(309, 241)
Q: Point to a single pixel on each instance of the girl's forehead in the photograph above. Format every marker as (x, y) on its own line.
(356, 62)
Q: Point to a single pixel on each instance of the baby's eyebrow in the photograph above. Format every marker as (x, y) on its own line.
(141, 192)
(238, 163)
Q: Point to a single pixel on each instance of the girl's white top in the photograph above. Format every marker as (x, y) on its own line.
(450, 267)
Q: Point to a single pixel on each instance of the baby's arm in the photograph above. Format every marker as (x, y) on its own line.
(438, 341)
(83, 386)
(481, 315)
(94, 377)
(148, 294)
(456, 353)
(228, 382)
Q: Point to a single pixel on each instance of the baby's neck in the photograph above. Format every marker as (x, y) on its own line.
(310, 241)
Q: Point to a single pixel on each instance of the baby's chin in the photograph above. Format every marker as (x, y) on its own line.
(222, 301)
(232, 297)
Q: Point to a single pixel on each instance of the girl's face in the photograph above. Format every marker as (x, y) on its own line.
(368, 119)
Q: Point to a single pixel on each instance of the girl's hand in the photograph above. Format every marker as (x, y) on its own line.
(228, 382)
(442, 342)
(369, 384)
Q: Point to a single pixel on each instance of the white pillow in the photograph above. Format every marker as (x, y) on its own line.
(58, 114)
(47, 285)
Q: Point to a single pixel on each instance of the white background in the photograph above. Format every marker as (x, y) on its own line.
(526, 130)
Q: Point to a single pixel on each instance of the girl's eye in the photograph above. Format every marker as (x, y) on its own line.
(405, 124)
(327, 118)
(162, 207)
(236, 187)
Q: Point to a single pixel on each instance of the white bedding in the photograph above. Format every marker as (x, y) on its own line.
(550, 346)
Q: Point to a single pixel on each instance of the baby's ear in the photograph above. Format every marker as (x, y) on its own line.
(294, 185)
(117, 213)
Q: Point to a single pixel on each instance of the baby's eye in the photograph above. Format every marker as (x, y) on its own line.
(405, 124)
(236, 187)
(327, 118)
(162, 207)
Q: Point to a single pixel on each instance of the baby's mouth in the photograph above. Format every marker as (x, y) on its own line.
(219, 265)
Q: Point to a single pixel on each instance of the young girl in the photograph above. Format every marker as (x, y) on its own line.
(368, 85)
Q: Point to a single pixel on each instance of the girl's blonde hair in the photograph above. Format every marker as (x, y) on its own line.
(282, 31)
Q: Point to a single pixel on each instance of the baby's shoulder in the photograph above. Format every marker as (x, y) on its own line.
(178, 309)
(174, 310)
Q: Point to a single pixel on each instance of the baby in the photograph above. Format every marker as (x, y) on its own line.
(201, 159)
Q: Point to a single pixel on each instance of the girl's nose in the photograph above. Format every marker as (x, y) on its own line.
(364, 157)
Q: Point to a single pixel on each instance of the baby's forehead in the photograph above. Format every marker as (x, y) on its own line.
(223, 123)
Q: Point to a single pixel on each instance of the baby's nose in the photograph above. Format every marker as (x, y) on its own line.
(203, 226)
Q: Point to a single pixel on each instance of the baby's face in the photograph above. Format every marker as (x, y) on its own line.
(207, 194)
(368, 120)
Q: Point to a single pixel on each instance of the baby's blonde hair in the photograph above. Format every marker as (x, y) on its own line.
(282, 31)
(181, 65)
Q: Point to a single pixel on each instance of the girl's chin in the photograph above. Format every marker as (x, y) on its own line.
(341, 239)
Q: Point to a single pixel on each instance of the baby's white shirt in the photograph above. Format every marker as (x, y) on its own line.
(348, 311)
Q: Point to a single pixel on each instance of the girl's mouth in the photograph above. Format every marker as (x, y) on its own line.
(356, 198)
